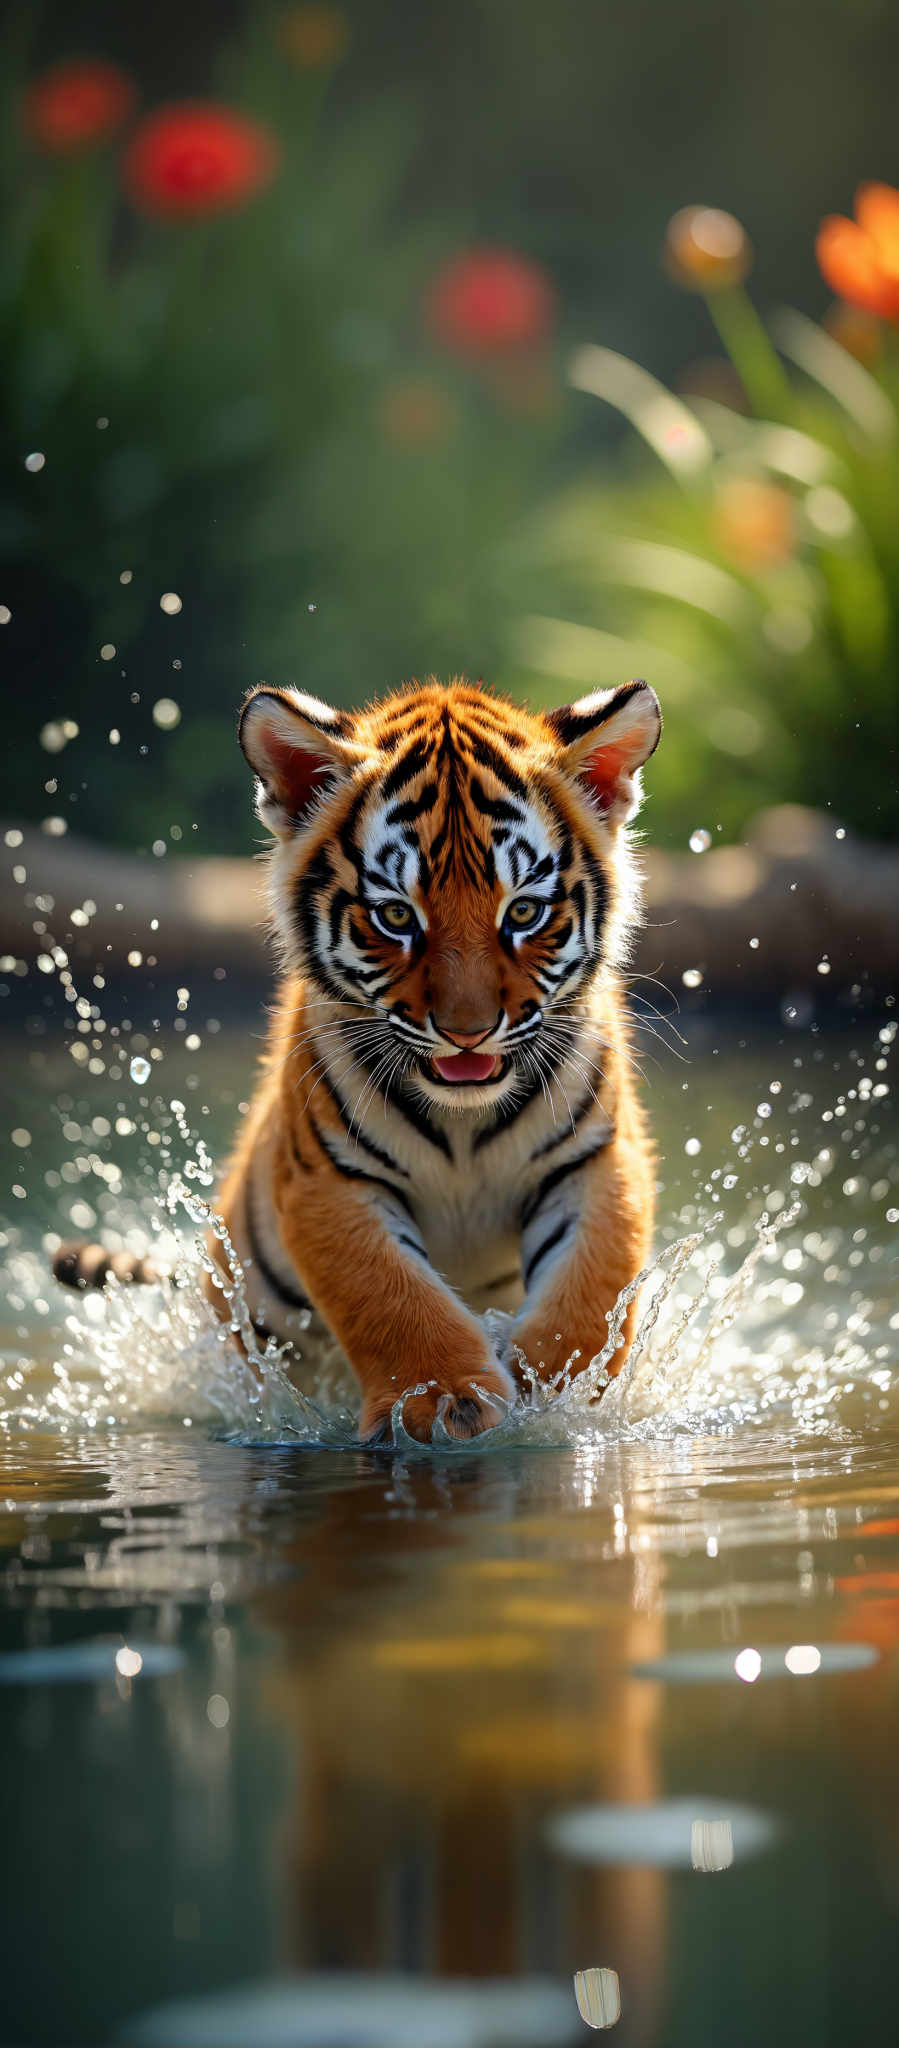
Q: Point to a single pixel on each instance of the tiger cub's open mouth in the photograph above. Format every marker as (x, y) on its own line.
(472, 1068)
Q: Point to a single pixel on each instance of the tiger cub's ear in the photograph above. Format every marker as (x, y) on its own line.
(604, 740)
(297, 748)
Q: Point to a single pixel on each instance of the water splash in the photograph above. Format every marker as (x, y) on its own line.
(727, 1335)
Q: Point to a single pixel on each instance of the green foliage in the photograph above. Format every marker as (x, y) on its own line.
(341, 503)
(750, 567)
(243, 409)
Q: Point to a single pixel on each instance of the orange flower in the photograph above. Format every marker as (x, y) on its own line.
(754, 523)
(706, 249)
(860, 334)
(314, 36)
(77, 104)
(859, 258)
(192, 159)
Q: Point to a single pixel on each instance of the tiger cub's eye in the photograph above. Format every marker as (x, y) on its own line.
(396, 918)
(525, 914)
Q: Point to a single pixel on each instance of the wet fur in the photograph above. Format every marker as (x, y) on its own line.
(393, 1207)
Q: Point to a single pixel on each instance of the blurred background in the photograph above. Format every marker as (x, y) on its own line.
(343, 345)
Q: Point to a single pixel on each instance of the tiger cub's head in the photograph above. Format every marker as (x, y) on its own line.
(452, 863)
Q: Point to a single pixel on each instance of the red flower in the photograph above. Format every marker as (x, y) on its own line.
(77, 104)
(490, 302)
(196, 159)
(859, 258)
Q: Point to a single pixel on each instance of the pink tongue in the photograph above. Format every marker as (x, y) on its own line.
(466, 1066)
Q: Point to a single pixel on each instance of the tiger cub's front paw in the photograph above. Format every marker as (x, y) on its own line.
(468, 1405)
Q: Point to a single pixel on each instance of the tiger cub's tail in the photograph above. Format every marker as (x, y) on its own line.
(83, 1265)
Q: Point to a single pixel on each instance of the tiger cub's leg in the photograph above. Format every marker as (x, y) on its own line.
(360, 1258)
(581, 1245)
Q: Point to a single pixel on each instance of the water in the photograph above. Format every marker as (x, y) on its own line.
(327, 1746)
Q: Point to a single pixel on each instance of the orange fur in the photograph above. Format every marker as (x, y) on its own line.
(359, 1187)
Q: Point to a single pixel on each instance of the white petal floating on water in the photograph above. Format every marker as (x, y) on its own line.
(598, 1994)
(711, 1845)
(660, 1835)
(367, 2011)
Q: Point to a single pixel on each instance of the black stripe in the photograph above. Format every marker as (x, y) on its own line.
(551, 1180)
(412, 1246)
(416, 1115)
(412, 762)
(568, 724)
(289, 1295)
(543, 868)
(507, 1113)
(576, 1117)
(414, 807)
(358, 1137)
(340, 902)
(490, 757)
(374, 1180)
(548, 1245)
(492, 806)
(347, 828)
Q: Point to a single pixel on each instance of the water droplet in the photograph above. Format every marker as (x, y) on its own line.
(107, 651)
(166, 713)
(312, 607)
(139, 1070)
(170, 602)
(692, 1146)
(700, 840)
(5, 615)
(35, 462)
(824, 966)
(840, 832)
(692, 977)
(754, 944)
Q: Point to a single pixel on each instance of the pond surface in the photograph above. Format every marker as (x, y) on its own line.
(302, 1744)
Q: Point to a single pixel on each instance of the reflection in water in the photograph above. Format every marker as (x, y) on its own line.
(442, 1730)
(598, 1994)
(424, 1730)
(775, 1660)
(711, 1845)
(88, 1662)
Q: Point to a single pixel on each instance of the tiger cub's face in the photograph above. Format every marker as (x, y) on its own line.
(453, 864)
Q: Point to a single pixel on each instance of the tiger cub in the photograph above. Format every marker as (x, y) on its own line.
(446, 1118)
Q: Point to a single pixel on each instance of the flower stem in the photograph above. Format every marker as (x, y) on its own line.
(752, 353)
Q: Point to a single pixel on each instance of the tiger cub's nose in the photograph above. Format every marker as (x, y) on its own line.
(466, 1040)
